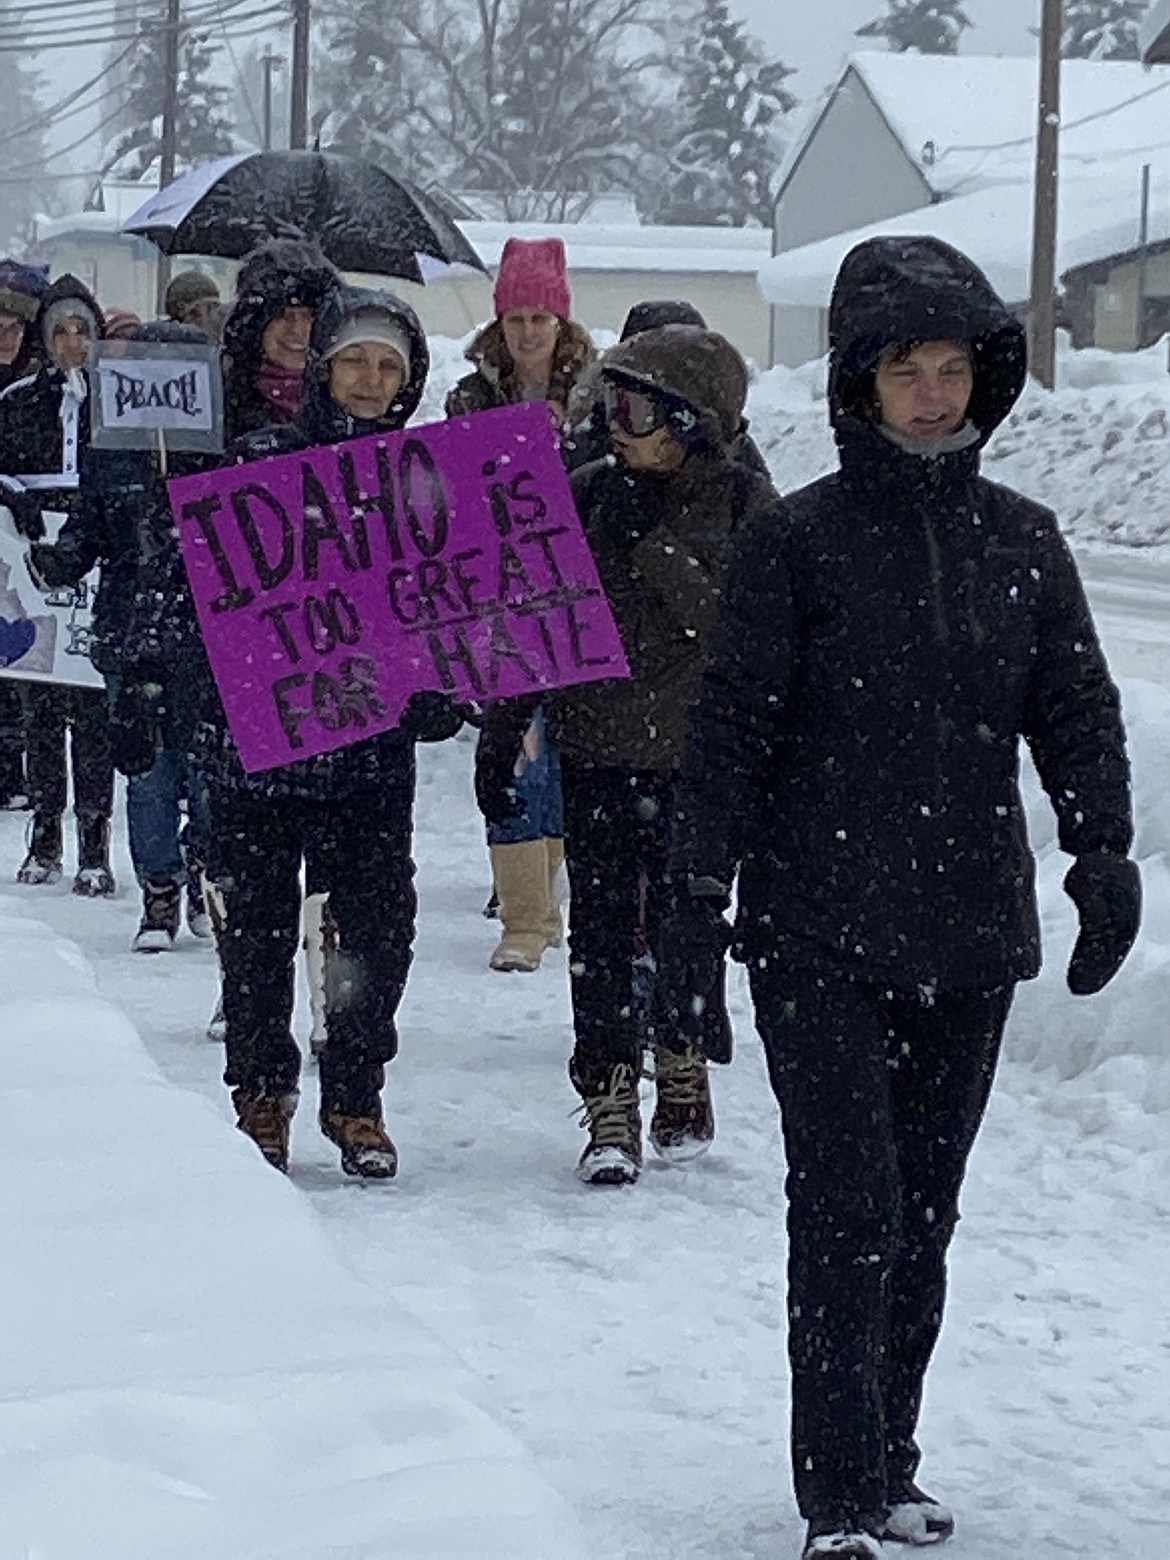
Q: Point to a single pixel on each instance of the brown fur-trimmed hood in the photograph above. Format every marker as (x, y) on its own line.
(575, 351)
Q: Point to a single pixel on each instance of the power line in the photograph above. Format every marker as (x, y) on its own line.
(211, 16)
(68, 106)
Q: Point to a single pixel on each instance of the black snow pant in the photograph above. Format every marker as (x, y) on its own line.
(52, 710)
(617, 838)
(881, 1097)
(361, 845)
(12, 780)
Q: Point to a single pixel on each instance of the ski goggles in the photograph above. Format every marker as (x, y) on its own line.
(635, 412)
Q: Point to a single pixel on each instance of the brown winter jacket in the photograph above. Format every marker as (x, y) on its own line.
(493, 380)
(662, 544)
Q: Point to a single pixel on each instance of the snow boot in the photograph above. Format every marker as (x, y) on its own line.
(522, 882)
(847, 1542)
(915, 1518)
(554, 926)
(366, 1148)
(267, 1120)
(612, 1114)
(45, 851)
(161, 910)
(94, 878)
(683, 1124)
(199, 922)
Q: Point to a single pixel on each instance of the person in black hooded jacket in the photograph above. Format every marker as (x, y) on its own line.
(266, 335)
(347, 814)
(44, 431)
(124, 523)
(879, 659)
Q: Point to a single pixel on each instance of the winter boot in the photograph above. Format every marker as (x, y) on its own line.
(267, 1120)
(554, 929)
(199, 922)
(366, 1149)
(613, 1116)
(522, 882)
(847, 1542)
(161, 910)
(45, 851)
(683, 1124)
(915, 1518)
(94, 879)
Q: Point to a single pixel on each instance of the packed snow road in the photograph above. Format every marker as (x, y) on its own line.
(635, 1340)
(1130, 594)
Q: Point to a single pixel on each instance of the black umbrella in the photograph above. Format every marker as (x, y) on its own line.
(363, 218)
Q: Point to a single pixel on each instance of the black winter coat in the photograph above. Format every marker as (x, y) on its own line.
(364, 766)
(879, 657)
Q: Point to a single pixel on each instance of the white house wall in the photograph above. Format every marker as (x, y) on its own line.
(452, 306)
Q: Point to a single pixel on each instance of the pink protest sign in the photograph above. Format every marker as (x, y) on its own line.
(333, 583)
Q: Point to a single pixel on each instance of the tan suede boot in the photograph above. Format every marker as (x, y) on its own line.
(522, 883)
(554, 931)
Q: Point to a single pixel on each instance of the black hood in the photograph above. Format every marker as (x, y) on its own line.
(321, 418)
(66, 288)
(892, 290)
(283, 274)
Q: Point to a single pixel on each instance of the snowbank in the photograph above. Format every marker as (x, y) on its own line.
(188, 1367)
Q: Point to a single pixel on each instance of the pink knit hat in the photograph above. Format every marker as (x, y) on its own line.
(533, 274)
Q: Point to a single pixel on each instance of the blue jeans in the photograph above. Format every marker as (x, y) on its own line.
(160, 847)
(538, 786)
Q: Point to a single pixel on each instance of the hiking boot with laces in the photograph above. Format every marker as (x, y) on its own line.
(43, 863)
(683, 1124)
(916, 1518)
(366, 1147)
(267, 1120)
(161, 909)
(612, 1114)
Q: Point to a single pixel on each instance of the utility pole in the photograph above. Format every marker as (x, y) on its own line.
(298, 123)
(170, 114)
(268, 63)
(1042, 313)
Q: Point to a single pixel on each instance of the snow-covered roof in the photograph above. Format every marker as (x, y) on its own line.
(969, 121)
(1098, 217)
(627, 247)
(590, 246)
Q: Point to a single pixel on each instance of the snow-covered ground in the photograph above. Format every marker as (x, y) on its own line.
(200, 1358)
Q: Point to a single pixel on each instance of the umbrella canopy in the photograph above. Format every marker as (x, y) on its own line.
(363, 218)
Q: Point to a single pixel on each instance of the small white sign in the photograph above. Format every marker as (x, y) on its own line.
(146, 390)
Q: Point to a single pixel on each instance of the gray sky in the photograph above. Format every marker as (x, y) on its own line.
(815, 35)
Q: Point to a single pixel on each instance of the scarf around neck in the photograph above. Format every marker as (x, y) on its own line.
(282, 388)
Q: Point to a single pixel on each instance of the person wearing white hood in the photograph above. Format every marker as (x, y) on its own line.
(44, 429)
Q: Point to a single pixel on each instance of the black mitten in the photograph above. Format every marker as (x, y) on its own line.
(1107, 891)
(692, 962)
(136, 722)
(26, 512)
(431, 717)
(501, 738)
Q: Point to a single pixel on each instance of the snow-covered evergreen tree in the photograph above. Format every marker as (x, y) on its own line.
(1102, 29)
(535, 103)
(202, 127)
(920, 26)
(22, 150)
(727, 146)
